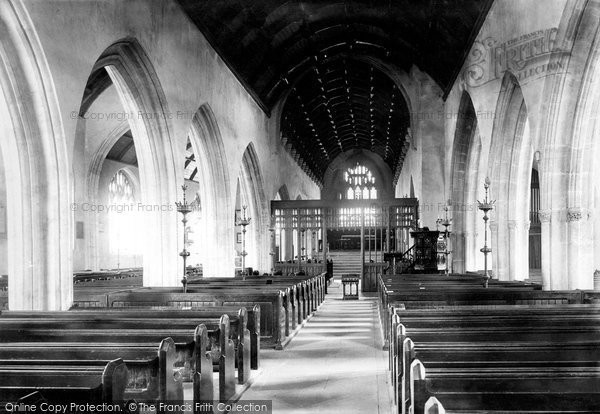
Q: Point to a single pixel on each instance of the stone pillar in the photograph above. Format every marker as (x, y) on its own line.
(470, 251)
(559, 248)
(545, 217)
(596, 220)
(580, 250)
(493, 242)
(523, 272)
(459, 252)
(513, 249)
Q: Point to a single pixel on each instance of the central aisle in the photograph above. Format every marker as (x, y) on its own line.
(335, 364)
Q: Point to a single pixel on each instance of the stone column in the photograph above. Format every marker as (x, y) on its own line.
(580, 250)
(493, 243)
(459, 252)
(470, 251)
(595, 217)
(513, 249)
(545, 217)
(524, 252)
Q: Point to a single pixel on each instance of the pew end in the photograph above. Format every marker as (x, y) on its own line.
(417, 380)
(226, 362)
(433, 406)
(114, 381)
(169, 388)
(203, 375)
(405, 354)
(255, 339)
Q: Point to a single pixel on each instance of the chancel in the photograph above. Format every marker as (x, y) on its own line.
(191, 192)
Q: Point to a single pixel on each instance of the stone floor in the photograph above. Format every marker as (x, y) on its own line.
(335, 364)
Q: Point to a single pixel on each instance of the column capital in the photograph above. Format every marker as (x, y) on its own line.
(545, 216)
(493, 225)
(577, 214)
(512, 224)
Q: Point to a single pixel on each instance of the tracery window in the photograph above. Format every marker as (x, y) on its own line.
(361, 183)
(123, 221)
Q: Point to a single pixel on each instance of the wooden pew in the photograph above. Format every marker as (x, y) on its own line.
(59, 383)
(100, 329)
(188, 351)
(311, 289)
(272, 311)
(252, 318)
(536, 390)
(449, 339)
(485, 298)
(472, 344)
(483, 351)
(246, 341)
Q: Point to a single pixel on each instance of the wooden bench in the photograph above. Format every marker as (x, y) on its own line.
(533, 390)
(190, 356)
(470, 348)
(244, 325)
(485, 298)
(272, 310)
(457, 346)
(82, 383)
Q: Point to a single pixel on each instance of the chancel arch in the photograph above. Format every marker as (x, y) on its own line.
(140, 94)
(35, 158)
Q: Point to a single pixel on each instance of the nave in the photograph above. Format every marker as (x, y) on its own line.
(337, 358)
(181, 181)
(425, 343)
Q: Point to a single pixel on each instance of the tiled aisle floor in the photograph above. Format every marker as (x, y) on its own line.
(335, 364)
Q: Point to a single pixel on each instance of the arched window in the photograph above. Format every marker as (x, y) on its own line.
(120, 189)
(361, 183)
(123, 221)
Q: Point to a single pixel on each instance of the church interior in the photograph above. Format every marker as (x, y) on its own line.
(308, 206)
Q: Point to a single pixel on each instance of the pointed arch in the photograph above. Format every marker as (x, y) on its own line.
(512, 152)
(139, 90)
(214, 186)
(581, 147)
(252, 188)
(466, 127)
(34, 150)
(92, 184)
